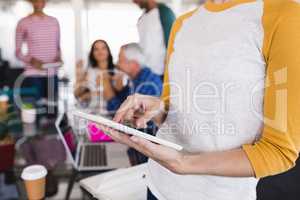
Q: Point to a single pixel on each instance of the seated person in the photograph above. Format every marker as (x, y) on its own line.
(142, 79)
(90, 89)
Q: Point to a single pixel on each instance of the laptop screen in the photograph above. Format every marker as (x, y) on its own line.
(68, 136)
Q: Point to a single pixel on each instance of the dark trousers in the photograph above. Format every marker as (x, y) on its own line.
(284, 186)
(47, 88)
(150, 196)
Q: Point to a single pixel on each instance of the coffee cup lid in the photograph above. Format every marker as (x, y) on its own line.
(34, 172)
(4, 98)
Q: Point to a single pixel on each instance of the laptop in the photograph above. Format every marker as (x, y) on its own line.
(86, 156)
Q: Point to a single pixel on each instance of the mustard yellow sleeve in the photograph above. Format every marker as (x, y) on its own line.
(278, 148)
(175, 29)
(166, 87)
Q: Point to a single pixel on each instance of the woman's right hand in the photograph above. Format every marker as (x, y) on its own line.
(140, 109)
(79, 64)
(36, 63)
(79, 69)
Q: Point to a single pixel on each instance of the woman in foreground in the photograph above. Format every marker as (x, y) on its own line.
(230, 99)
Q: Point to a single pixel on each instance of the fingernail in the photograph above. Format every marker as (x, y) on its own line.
(134, 139)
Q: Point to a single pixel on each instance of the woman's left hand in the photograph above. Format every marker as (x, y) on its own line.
(167, 157)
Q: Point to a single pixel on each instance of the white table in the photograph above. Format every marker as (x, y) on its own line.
(121, 184)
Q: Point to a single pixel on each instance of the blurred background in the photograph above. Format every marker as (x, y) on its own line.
(81, 23)
(26, 143)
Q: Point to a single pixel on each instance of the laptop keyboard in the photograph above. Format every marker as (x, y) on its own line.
(95, 155)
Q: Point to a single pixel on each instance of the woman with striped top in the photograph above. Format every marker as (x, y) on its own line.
(41, 34)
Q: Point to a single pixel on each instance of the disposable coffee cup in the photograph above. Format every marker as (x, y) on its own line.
(35, 181)
(4, 103)
(28, 115)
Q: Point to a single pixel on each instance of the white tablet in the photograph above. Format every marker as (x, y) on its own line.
(125, 129)
(52, 65)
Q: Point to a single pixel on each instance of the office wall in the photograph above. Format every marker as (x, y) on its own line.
(113, 22)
